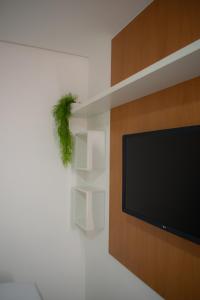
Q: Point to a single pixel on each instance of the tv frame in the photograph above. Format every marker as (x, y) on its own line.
(138, 215)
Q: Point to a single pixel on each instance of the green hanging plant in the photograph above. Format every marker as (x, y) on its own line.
(62, 113)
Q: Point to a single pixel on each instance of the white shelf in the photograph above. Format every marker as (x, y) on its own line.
(89, 150)
(179, 66)
(88, 208)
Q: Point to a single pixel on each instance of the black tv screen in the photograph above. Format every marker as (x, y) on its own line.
(161, 179)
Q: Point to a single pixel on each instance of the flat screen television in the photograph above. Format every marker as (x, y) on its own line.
(161, 179)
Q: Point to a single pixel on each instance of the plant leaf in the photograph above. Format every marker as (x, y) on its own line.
(62, 113)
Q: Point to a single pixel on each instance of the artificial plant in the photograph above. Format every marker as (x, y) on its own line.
(62, 113)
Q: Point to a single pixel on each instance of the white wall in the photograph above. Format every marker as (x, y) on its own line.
(37, 243)
(99, 64)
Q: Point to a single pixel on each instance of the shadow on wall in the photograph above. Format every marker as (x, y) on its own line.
(6, 277)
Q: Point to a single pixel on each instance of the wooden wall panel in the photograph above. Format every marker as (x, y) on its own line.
(162, 28)
(167, 263)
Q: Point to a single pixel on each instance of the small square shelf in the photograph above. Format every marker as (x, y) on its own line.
(89, 208)
(89, 150)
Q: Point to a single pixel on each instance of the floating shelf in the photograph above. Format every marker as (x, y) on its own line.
(89, 150)
(88, 208)
(175, 68)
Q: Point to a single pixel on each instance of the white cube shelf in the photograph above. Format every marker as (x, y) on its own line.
(89, 150)
(88, 208)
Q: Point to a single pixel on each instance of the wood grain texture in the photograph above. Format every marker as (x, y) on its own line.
(167, 263)
(162, 28)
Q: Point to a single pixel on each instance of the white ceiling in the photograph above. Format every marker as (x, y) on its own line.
(65, 25)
